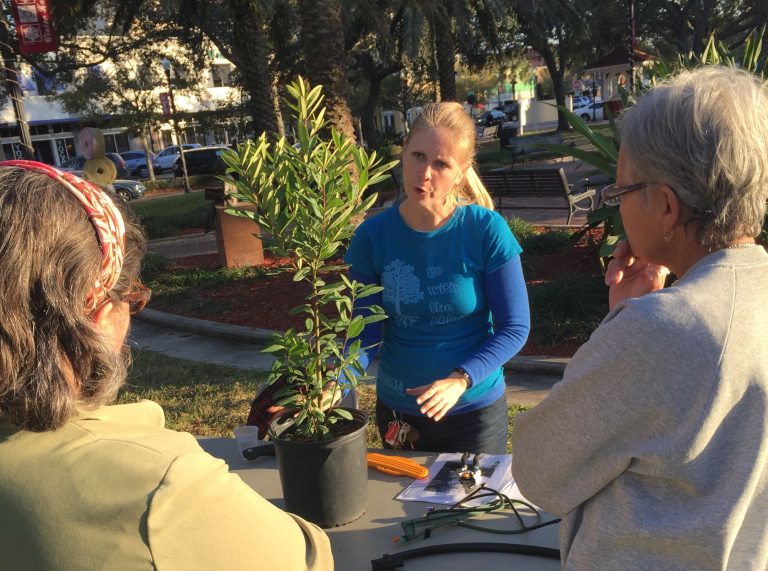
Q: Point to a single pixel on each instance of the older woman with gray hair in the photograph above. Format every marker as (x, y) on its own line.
(654, 446)
(84, 485)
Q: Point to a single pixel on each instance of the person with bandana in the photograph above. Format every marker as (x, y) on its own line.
(86, 485)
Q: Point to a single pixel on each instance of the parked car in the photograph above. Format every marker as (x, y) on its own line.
(77, 164)
(587, 111)
(127, 190)
(491, 118)
(136, 163)
(204, 160)
(511, 109)
(169, 155)
(581, 101)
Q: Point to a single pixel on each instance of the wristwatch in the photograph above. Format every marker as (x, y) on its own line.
(466, 376)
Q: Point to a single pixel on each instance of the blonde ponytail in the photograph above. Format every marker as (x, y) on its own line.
(472, 191)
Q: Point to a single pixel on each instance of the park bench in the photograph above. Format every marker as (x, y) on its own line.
(487, 133)
(536, 183)
(523, 148)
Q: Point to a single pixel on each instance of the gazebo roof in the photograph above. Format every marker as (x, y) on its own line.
(618, 57)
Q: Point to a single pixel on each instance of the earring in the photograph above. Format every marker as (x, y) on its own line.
(667, 237)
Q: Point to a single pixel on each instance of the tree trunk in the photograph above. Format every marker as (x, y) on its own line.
(276, 105)
(250, 47)
(445, 54)
(367, 113)
(701, 30)
(322, 39)
(557, 83)
(147, 155)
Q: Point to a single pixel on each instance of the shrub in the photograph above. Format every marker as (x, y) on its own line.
(568, 309)
(201, 278)
(486, 158)
(549, 241)
(152, 264)
(520, 228)
(177, 183)
(166, 215)
(163, 184)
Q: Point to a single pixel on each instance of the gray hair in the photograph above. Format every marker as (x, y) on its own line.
(53, 360)
(705, 134)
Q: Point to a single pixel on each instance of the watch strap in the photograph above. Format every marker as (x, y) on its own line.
(467, 376)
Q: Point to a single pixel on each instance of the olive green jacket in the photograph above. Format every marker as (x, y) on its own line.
(113, 489)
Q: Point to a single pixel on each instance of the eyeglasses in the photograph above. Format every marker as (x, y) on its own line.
(611, 194)
(137, 297)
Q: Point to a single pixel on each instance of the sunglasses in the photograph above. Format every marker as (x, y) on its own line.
(136, 297)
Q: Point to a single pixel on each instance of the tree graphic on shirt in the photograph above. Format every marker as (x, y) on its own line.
(401, 285)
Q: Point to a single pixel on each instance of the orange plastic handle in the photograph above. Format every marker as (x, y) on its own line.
(396, 465)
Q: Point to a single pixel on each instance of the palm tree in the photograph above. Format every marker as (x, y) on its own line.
(322, 39)
(238, 28)
(441, 23)
(250, 43)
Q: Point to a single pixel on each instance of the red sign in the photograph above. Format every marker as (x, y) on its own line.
(34, 26)
(165, 103)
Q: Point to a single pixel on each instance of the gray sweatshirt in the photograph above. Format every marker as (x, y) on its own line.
(654, 446)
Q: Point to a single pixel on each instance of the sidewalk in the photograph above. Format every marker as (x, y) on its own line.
(183, 246)
(528, 379)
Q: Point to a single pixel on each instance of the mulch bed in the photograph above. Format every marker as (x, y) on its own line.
(264, 301)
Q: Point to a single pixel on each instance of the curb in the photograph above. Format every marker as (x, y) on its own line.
(519, 363)
(202, 327)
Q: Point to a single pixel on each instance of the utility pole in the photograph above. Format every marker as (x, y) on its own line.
(14, 89)
(167, 68)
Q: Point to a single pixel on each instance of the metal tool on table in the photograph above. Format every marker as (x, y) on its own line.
(470, 472)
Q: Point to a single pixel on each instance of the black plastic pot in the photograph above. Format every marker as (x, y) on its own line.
(325, 482)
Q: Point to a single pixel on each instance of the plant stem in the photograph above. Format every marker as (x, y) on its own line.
(315, 342)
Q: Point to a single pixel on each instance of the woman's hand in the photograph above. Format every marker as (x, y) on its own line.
(331, 396)
(629, 276)
(439, 397)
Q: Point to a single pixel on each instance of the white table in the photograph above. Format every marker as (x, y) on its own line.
(370, 537)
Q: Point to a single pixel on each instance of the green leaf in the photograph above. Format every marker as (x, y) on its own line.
(356, 327)
(301, 274)
(273, 348)
(342, 413)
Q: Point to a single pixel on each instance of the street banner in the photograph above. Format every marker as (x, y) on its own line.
(165, 103)
(34, 26)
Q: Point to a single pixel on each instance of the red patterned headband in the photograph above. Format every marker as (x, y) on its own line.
(105, 218)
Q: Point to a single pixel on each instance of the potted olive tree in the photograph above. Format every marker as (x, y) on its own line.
(308, 196)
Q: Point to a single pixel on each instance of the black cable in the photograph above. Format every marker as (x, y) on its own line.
(502, 501)
(395, 561)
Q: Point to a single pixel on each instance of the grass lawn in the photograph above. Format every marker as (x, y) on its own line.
(166, 215)
(210, 400)
(490, 155)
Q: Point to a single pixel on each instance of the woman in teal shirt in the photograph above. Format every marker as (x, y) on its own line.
(453, 291)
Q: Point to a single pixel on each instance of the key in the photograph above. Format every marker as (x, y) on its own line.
(412, 436)
(393, 433)
(404, 428)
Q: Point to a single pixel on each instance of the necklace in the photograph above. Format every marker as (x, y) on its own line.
(740, 245)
